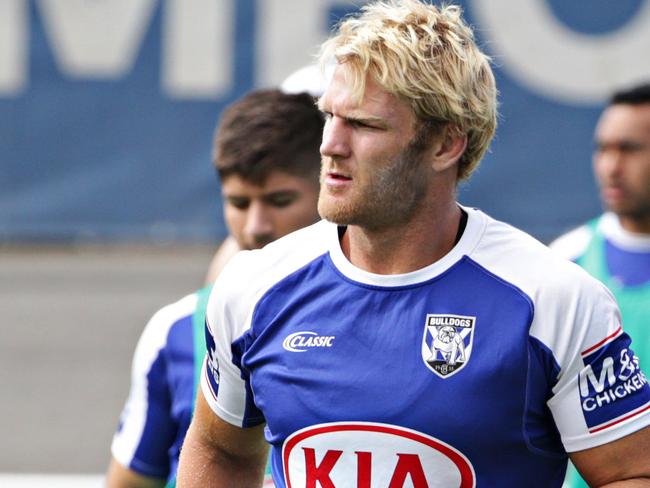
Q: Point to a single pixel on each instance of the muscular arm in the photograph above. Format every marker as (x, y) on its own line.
(120, 477)
(216, 453)
(622, 463)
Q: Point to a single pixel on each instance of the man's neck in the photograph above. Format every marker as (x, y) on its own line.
(405, 247)
(636, 224)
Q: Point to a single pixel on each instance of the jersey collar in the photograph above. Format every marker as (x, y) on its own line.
(476, 223)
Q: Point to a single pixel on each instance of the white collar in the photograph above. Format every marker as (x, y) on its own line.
(611, 228)
(476, 223)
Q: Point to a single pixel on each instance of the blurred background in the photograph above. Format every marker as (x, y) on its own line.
(109, 205)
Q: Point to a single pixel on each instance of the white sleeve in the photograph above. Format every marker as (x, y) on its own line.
(224, 384)
(601, 394)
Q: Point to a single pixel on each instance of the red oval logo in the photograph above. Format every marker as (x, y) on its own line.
(374, 455)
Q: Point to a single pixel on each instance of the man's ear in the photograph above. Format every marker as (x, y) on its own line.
(448, 149)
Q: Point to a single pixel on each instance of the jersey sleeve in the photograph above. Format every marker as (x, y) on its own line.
(147, 430)
(601, 394)
(225, 383)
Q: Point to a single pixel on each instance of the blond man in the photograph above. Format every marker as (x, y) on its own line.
(327, 343)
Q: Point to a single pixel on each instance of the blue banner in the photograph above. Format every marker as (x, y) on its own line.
(107, 107)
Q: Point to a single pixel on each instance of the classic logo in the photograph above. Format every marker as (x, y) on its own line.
(447, 343)
(304, 340)
(372, 455)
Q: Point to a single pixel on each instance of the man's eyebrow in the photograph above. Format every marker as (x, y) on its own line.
(276, 193)
(353, 116)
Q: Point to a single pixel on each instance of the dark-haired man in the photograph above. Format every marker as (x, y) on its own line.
(615, 247)
(266, 154)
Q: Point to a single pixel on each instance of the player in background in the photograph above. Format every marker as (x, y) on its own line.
(307, 79)
(266, 155)
(615, 247)
(333, 343)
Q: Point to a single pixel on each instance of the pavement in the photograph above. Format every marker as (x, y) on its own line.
(70, 317)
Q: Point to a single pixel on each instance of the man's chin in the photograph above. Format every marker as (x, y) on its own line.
(336, 214)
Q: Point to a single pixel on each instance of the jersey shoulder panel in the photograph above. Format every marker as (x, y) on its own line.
(576, 318)
(251, 273)
(561, 291)
(234, 297)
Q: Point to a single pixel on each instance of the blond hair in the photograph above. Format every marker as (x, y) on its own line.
(427, 56)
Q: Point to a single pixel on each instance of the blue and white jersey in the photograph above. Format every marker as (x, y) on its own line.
(483, 368)
(158, 410)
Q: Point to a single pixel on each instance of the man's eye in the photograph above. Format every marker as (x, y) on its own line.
(239, 203)
(362, 125)
(281, 200)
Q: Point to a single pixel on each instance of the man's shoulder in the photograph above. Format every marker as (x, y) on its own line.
(156, 332)
(249, 273)
(527, 263)
(285, 254)
(561, 293)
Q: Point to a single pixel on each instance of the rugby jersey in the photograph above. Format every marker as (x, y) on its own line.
(479, 369)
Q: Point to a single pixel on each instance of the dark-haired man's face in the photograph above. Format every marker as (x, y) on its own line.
(259, 214)
(622, 163)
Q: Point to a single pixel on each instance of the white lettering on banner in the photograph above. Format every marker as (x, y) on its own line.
(198, 48)
(550, 58)
(97, 39)
(13, 46)
(611, 395)
(278, 53)
(598, 384)
(101, 40)
(610, 387)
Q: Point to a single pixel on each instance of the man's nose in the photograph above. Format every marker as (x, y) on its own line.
(336, 135)
(611, 161)
(259, 225)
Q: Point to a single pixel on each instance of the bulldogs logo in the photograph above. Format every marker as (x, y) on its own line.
(447, 343)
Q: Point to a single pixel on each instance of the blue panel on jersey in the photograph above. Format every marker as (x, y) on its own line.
(213, 362)
(611, 384)
(180, 376)
(148, 459)
(540, 429)
(169, 404)
(252, 415)
(627, 268)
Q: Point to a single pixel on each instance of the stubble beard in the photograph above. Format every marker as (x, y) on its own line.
(389, 199)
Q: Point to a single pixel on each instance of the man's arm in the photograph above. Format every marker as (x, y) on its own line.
(218, 454)
(120, 477)
(622, 463)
